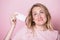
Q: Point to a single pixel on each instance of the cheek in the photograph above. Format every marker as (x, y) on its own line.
(35, 19)
(44, 18)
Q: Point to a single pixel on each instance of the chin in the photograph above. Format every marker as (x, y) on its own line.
(41, 23)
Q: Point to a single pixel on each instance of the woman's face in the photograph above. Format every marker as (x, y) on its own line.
(39, 16)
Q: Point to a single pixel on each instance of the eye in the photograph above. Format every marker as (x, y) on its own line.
(34, 14)
(41, 12)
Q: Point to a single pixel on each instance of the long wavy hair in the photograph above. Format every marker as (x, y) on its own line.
(29, 19)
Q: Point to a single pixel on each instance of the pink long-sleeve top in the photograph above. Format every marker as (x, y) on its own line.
(26, 34)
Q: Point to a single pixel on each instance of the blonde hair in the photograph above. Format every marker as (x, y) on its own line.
(29, 19)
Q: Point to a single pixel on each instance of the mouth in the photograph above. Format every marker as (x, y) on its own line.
(40, 19)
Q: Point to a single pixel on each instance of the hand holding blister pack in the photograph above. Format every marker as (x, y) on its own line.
(20, 16)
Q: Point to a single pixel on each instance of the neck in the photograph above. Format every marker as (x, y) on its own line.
(40, 27)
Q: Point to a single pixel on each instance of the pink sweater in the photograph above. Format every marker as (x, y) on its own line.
(26, 34)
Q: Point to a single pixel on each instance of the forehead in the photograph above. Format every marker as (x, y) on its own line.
(37, 9)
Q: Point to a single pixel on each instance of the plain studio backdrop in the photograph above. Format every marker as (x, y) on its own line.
(7, 7)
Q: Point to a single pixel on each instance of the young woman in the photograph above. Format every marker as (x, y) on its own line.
(38, 25)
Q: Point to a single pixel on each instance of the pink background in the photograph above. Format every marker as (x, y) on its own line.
(7, 7)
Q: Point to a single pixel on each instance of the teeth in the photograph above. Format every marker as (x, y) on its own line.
(20, 16)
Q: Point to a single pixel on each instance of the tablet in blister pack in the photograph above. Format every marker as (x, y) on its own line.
(20, 16)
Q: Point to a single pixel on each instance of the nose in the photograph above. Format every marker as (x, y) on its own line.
(39, 16)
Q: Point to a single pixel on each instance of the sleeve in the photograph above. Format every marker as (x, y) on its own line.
(58, 37)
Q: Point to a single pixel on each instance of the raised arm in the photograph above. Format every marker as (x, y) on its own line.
(13, 24)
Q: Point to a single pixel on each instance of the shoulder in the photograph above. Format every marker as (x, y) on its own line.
(53, 33)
